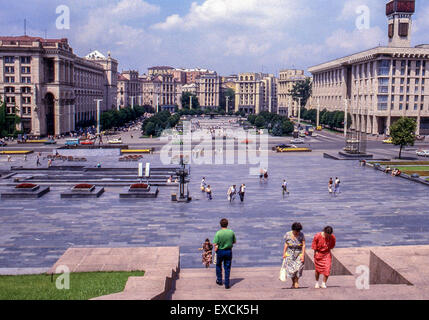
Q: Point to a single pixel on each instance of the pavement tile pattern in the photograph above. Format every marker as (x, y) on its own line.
(373, 209)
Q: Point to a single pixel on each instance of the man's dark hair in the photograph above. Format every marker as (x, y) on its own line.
(224, 223)
(297, 226)
(328, 230)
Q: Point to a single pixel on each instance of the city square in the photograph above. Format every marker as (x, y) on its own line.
(141, 163)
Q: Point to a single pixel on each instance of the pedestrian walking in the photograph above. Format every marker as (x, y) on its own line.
(294, 253)
(330, 186)
(337, 186)
(242, 192)
(49, 163)
(38, 161)
(9, 158)
(322, 245)
(231, 193)
(224, 241)
(207, 254)
(209, 192)
(203, 184)
(284, 188)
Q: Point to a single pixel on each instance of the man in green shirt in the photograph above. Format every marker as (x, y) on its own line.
(224, 241)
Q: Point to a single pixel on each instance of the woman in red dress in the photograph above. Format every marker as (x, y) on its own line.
(322, 244)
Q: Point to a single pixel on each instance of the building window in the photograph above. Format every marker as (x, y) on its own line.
(25, 60)
(25, 70)
(9, 79)
(9, 59)
(9, 69)
(9, 89)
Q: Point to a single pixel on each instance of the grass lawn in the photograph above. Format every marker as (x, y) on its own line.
(401, 163)
(83, 286)
(413, 168)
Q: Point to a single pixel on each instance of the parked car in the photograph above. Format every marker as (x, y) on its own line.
(422, 153)
(87, 142)
(3, 144)
(297, 141)
(388, 141)
(115, 141)
(72, 142)
(50, 141)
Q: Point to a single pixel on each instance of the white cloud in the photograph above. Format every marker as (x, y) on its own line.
(356, 39)
(249, 13)
(109, 25)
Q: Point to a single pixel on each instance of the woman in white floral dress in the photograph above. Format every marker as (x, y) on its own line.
(294, 253)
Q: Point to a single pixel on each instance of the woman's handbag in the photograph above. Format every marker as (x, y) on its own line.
(215, 258)
(283, 275)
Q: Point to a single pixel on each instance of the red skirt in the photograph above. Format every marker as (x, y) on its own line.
(323, 262)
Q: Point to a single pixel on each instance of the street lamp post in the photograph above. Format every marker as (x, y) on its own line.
(190, 102)
(227, 104)
(318, 113)
(345, 117)
(98, 114)
(299, 112)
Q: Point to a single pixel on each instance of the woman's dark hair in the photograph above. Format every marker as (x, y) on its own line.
(328, 230)
(296, 226)
(224, 223)
(207, 240)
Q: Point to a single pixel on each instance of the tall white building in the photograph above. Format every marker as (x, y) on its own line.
(379, 85)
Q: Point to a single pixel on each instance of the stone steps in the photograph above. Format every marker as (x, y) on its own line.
(263, 284)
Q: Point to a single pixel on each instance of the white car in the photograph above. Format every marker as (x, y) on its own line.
(115, 141)
(422, 153)
(297, 141)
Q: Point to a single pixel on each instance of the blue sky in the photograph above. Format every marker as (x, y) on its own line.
(228, 36)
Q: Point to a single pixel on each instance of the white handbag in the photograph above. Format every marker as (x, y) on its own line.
(283, 273)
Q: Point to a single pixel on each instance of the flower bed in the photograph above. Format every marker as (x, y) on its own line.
(139, 186)
(26, 186)
(83, 186)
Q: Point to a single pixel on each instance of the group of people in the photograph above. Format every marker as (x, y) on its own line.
(334, 186)
(263, 175)
(232, 191)
(395, 172)
(293, 254)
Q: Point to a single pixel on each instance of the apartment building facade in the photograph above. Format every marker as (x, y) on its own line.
(285, 82)
(49, 87)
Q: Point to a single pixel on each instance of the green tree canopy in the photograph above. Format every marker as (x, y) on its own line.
(303, 90)
(403, 133)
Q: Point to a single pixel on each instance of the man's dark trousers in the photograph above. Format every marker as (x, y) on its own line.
(224, 256)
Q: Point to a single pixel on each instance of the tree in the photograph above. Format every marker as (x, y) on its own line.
(303, 90)
(150, 129)
(259, 121)
(403, 133)
(287, 127)
(3, 123)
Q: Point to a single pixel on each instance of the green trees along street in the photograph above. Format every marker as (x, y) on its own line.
(403, 133)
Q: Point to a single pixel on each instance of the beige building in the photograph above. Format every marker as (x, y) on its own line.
(256, 92)
(270, 93)
(129, 89)
(286, 81)
(380, 85)
(208, 90)
(161, 90)
(49, 87)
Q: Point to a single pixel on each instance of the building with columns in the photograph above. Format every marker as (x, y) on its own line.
(208, 90)
(379, 85)
(129, 89)
(49, 87)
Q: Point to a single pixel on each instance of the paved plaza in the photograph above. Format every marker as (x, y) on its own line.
(373, 209)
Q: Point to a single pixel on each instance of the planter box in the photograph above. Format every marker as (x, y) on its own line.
(94, 192)
(33, 193)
